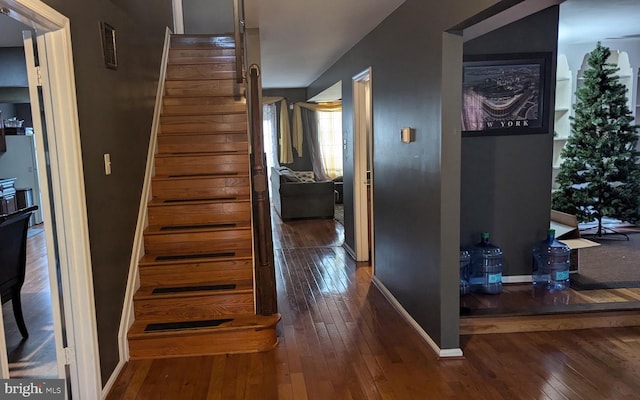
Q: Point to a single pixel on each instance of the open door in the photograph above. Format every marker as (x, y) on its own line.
(52, 89)
(363, 167)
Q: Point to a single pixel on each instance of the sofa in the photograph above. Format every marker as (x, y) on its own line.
(297, 194)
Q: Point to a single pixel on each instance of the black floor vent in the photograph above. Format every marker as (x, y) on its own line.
(184, 227)
(174, 326)
(195, 256)
(185, 289)
(231, 198)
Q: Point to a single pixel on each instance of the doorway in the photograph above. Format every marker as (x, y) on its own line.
(64, 203)
(363, 167)
(35, 356)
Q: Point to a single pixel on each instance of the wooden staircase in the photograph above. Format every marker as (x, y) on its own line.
(197, 290)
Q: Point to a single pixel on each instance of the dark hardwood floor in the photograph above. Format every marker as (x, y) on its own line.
(34, 357)
(341, 339)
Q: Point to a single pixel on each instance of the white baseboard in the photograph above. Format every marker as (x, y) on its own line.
(112, 379)
(349, 250)
(442, 353)
(133, 281)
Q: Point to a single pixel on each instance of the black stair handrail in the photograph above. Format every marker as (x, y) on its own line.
(238, 33)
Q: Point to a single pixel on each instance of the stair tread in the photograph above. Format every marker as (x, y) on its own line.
(203, 112)
(200, 154)
(204, 100)
(168, 230)
(225, 117)
(208, 132)
(149, 260)
(210, 152)
(200, 176)
(201, 60)
(239, 322)
(171, 112)
(157, 202)
(146, 292)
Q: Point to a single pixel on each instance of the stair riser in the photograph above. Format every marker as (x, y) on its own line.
(200, 188)
(202, 143)
(202, 127)
(194, 41)
(207, 213)
(199, 72)
(203, 123)
(168, 101)
(170, 120)
(203, 343)
(181, 243)
(199, 109)
(194, 308)
(198, 165)
(196, 273)
(207, 53)
(203, 88)
(190, 61)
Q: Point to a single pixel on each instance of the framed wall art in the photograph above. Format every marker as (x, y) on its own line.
(506, 94)
(109, 45)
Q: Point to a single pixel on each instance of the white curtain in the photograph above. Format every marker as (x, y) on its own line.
(283, 134)
(270, 135)
(330, 141)
(326, 146)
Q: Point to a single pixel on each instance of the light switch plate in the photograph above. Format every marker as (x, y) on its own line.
(107, 164)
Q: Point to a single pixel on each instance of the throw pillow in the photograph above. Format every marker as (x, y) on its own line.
(305, 176)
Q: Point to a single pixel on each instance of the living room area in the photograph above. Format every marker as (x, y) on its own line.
(503, 159)
(304, 151)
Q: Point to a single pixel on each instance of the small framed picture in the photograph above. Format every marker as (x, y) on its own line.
(109, 45)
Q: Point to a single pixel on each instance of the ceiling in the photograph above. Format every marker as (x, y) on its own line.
(300, 39)
(11, 32)
(587, 21)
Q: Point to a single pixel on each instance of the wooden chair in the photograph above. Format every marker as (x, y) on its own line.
(13, 260)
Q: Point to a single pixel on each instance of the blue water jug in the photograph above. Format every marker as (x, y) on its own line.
(465, 261)
(486, 267)
(551, 260)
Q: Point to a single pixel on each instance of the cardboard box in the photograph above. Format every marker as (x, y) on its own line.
(567, 232)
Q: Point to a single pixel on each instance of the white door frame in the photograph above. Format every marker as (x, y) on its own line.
(178, 17)
(362, 130)
(68, 234)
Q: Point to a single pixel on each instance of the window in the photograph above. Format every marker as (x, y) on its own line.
(330, 139)
(269, 134)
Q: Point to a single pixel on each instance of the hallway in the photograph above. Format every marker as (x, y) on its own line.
(341, 339)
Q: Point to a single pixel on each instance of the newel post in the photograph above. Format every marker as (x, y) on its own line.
(264, 262)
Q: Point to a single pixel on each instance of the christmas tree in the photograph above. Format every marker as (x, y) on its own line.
(600, 175)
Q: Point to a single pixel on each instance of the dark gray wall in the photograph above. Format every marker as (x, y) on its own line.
(506, 180)
(8, 110)
(416, 248)
(208, 16)
(293, 95)
(115, 112)
(13, 67)
(14, 77)
(412, 258)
